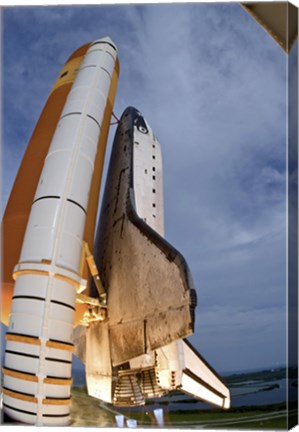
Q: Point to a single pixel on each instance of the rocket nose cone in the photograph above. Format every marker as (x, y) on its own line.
(103, 40)
(108, 40)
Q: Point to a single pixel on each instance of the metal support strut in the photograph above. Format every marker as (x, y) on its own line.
(97, 308)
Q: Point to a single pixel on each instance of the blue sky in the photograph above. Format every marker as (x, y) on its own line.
(212, 85)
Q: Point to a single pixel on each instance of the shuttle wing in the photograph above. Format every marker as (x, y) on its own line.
(201, 381)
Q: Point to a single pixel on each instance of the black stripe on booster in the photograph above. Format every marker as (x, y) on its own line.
(22, 334)
(46, 197)
(63, 304)
(28, 297)
(19, 410)
(21, 354)
(77, 204)
(62, 342)
(18, 392)
(70, 114)
(94, 119)
(58, 360)
(104, 42)
(19, 371)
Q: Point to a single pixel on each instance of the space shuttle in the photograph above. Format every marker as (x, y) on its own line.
(115, 293)
(138, 350)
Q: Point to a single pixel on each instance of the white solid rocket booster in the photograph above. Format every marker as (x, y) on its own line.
(38, 358)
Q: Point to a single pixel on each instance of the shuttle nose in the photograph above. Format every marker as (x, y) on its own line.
(133, 111)
(138, 120)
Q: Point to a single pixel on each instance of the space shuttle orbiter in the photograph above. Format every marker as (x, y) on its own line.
(137, 351)
(140, 307)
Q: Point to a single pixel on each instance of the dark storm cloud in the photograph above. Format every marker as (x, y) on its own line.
(211, 83)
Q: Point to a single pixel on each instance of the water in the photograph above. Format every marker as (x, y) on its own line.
(263, 393)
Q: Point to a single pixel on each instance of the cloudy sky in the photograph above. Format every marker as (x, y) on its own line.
(212, 85)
